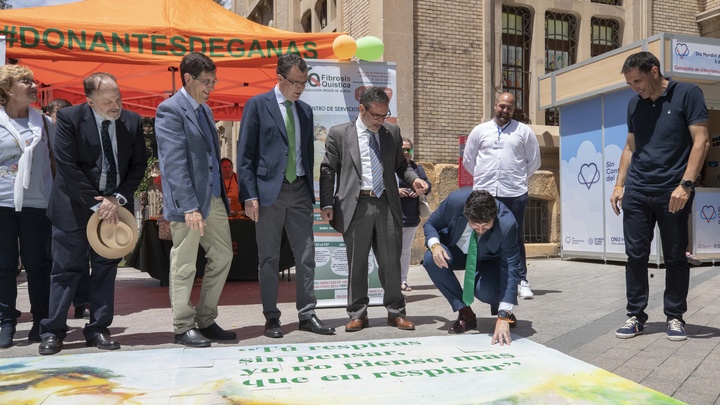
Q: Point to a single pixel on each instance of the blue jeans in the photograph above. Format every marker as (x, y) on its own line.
(32, 229)
(641, 211)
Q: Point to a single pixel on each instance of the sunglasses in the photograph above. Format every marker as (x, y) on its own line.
(407, 150)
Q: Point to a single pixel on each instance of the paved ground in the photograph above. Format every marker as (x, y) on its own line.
(577, 307)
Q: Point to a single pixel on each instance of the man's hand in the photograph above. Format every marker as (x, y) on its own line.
(408, 193)
(440, 256)
(420, 186)
(252, 209)
(678, 199)
(326, 214)
(108, 209)
(502, 332)
(616, 200)
(194, 221)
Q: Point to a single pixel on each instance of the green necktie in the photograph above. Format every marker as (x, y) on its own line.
(290, 171)
(469, 282)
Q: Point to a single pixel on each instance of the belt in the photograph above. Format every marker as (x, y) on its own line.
(370, 193)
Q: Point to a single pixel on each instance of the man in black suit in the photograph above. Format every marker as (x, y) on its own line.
(359, 196)
(100, 154)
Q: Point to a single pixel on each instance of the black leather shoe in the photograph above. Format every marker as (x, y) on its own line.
(50, 345)
(273, 329)
(315, 325)
(103, 341)
(215, 332)
(192, 338)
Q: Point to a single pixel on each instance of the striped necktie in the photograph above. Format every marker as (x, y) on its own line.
(377, 170)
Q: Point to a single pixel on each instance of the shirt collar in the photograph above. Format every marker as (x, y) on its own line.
(192, 101)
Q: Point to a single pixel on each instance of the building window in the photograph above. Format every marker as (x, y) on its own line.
(560, 50)
(306, 21)
(322, 13)
(263, 13)
(536, 226)
(516, 36)
(605, 35)
(610, 2)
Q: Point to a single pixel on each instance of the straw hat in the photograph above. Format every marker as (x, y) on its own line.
(113, 241)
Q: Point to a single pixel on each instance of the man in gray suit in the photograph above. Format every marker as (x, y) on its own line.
(195, 201)
(362, 158)
(275, 164)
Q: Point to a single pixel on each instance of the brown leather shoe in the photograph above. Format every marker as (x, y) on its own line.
(401, 323)
(466, 320)
(357, 324)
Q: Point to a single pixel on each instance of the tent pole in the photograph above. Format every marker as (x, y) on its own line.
(172, 70)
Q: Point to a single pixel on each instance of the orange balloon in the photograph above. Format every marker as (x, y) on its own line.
(344, 47)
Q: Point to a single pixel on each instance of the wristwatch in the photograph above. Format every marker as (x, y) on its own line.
(688, 184)
(503, 314)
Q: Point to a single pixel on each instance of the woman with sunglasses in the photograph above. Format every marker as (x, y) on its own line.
(411, 213)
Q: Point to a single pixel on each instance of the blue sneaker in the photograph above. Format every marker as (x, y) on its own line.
(632, 328)
(675, 330)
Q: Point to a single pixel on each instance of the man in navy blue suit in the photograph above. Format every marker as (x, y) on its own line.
(463, 217)
(275, 167)
(100, 154)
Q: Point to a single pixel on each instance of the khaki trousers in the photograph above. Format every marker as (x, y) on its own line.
(217, 243)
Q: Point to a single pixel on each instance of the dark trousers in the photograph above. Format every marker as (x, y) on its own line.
(292, 211)
(70, 259)
(373, 226)
(641, 211)
(517, 207)
(32, 228)
(487, 279)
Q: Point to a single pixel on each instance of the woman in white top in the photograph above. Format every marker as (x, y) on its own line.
(25, 183)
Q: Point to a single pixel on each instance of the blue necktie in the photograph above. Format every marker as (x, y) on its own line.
(377, 170)
(210, 132)
(111, 174)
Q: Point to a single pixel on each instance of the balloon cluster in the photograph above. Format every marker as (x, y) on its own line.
(365, 48)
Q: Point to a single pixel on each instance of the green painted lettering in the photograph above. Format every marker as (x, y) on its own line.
(293, 48)
(178, 46)
(193, 41)
(60, 38)
(216, 45)
(140, 38)
(272, 49)
(117, 41)
(26, 41)
(255, 48)
(236, 52)
(310, 51)
(99, 40)
(80, 41)
(155, 44)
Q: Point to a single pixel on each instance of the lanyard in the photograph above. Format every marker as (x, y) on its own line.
(501, 129)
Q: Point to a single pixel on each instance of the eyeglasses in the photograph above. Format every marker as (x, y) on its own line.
(408, 150)
(378, 116)
(207, 82)
(28, 81)
(294, 83)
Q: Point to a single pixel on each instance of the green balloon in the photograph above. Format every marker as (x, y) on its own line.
(369, 48)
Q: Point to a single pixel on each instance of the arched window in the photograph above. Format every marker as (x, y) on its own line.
(605, 35)
(560, 50)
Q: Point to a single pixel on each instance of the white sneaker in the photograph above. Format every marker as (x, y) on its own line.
(524, 290)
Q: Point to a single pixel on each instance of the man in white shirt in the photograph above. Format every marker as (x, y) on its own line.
(502, 154)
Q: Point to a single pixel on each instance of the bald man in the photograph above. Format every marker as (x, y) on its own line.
(502, 154)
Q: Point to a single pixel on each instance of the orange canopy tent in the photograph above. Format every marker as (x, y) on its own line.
(141, 42)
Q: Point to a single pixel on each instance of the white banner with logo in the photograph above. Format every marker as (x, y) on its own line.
(706, 222)
(334, 91)
(695, 58)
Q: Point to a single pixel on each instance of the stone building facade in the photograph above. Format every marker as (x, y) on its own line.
(453, 59)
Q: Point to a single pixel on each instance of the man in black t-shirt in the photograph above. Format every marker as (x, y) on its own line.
(667, 142)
